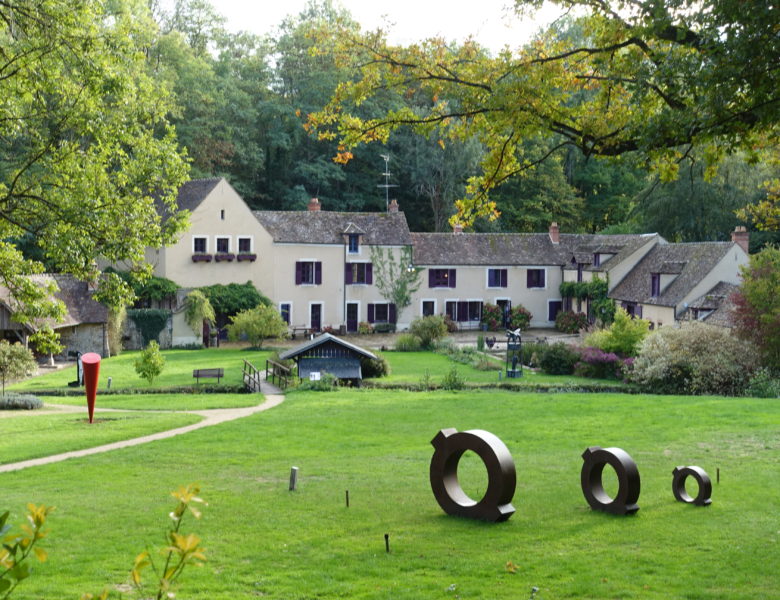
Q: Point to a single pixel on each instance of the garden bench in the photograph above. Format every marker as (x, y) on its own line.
(199, 374)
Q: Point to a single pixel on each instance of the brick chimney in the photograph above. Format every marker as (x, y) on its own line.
(457, 229)
(741, 237)
(393, 206)
(314, 204)
(554, 233)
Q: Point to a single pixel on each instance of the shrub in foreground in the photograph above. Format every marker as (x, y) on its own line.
(20, 402)
(406, 342)
(598, 364)
(763, 384)
(623, 337)
(559, 359)
(378, 367)
(428, 330)
(695, 359)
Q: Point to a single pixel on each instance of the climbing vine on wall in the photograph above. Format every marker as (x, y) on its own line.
(149, 322)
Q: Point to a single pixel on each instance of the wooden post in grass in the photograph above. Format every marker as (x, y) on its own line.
(91, 363)
(293, 478)
(347, 494)
(387, 543)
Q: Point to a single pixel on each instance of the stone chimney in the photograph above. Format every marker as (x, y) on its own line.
(457, 229)
(314, 204)
(554, 233)
(393, 206)
(741, 237)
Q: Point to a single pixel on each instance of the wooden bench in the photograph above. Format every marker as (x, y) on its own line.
(199, 374)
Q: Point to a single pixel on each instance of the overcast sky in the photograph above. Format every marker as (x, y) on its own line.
(491, 22)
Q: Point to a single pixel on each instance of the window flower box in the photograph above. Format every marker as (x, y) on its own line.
(224, 257)
(201, 258)
(246, 256)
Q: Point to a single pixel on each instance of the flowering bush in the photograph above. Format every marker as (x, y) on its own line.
(519, 317)
(364, 328)
(598, 364)
(695, 359)
(570, 322)
(493, 317)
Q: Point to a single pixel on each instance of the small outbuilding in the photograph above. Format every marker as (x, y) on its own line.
(328, 354)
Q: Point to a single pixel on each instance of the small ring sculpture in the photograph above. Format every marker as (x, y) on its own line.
(450, 445)
(625, 500)
(701, 477)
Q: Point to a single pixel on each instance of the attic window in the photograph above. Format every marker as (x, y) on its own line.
(222, 214)
(597, 260)
(353, 243)
(655, 284)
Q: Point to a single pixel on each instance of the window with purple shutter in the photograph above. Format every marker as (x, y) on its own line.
(441, 278)
(535, 278)
(308, 273)
(497, 278)
(655, 284)
(369, 273)
(463, 311)
(391, 316)
(348, 274)
(371, 313)
(318, 273)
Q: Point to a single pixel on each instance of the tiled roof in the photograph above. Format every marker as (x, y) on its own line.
(691, 262)
(719, 300)
(190, 195)
(582, 247)
(80, 308)
(486, 249)
(325, 338)
(328, 227)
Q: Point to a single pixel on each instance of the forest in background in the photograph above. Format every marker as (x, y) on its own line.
(242, 103)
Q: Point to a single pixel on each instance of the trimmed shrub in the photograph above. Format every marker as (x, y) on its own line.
(695, 359)
(623, 337)
(428, 330)
(20, 402)
(406, 342)
(375, 368)
(598, 364)
(559, 359)
(571, 322)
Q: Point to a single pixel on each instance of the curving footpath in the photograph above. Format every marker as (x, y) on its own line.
(273, 397)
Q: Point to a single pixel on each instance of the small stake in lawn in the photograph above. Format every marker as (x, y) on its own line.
(717, 474)
(387, 543)
(347, 498)
(91, 362)
(293, 479)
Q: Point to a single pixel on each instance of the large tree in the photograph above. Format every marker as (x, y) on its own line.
(86, 154)
(654, 77)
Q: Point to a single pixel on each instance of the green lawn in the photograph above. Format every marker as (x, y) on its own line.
(263, 541)
(162, 401)
(32, 436)
(179, 365)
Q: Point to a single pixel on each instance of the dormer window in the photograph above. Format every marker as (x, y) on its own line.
(597, 259)
(353, 243)
(655, 285)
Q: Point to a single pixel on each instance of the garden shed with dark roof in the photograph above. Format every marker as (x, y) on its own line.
(328, 354)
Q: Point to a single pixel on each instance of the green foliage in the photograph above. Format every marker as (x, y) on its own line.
(480, 343)
(257, 324)
(622, 337)
(763, 384)
(89, 154)
(756, 312)
(16, 362)
(428, 330)
(47, 341)
(695, 359)
(149, 321)
(229, 300)
(558, 359)
(365, 328)
(150, 363)
(197, 309)
(453, 380)
(406, 342)
(492, 316)
(519, 317)
(395, 276)
(12, 401)
(378, 367)
(18, 547)
(570, 322)
(326, 383)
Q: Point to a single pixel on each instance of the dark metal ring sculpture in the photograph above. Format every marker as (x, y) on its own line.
(701, 477)
(625, 500)
(450, 445)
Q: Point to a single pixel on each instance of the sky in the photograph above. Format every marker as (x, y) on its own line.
(491, 22)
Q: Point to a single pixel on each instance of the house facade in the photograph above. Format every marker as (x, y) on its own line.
(318, 266)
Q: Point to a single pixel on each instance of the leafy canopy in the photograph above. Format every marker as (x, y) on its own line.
(257, 324)
(641, 75)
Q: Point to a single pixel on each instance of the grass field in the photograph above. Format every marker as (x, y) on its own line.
(263, 541)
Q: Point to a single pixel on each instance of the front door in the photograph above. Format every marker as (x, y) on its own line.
(315, 317)
(352, 316)
(505, 306)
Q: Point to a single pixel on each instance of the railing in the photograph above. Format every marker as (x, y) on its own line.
(277, 373)
(251, 377)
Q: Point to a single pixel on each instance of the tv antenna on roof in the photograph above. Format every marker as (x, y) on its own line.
(387, 185)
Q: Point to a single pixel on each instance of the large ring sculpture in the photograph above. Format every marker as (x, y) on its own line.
(625, 500)
(701, 477)
(450, 445)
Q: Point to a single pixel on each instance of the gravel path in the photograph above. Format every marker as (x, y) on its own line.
(273, 397)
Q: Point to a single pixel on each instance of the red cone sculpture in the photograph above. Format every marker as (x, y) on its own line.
(91, 362)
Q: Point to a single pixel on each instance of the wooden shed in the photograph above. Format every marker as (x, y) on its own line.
(328, 354)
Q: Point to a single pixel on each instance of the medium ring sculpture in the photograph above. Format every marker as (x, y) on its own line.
(701, 477)
(625, 500)
(450, 445)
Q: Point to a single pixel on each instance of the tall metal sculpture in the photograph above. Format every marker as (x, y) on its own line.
(450, 444)
(514, 353)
